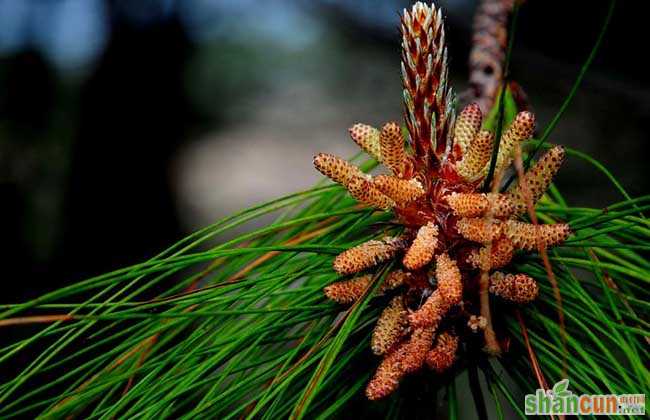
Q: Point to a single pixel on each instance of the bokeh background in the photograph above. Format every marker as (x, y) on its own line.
(125, 125)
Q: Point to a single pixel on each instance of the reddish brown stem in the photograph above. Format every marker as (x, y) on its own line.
(537, 370)
(492, 346)
(530, 206)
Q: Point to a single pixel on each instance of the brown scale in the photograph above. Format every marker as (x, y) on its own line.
(424, 59)
(418, 289)
(433, 206)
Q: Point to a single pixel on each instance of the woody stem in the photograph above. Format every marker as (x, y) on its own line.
(491, 344)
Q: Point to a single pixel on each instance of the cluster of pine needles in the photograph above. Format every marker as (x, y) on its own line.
(240, 328)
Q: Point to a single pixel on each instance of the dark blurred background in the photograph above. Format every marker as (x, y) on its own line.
(125, 125)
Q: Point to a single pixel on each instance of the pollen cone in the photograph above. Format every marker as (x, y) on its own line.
(348, 291)
(518, 288)
(467, 125)
(367, 138)
(521, 129)
(386, 378)
(477, 204)
(477, 156)
(449, 280)
(424, 245)
(391, 326)
(526, 235)
(391, 144)
(479, 230)
(365, 192)
(337, 169)
(431, 311)
(367, 255)
(394, 280)
(443, 354)
(496, 256)
(538, 178)
(400, 190)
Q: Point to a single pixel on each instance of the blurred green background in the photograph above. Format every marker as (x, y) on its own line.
(125, 125)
